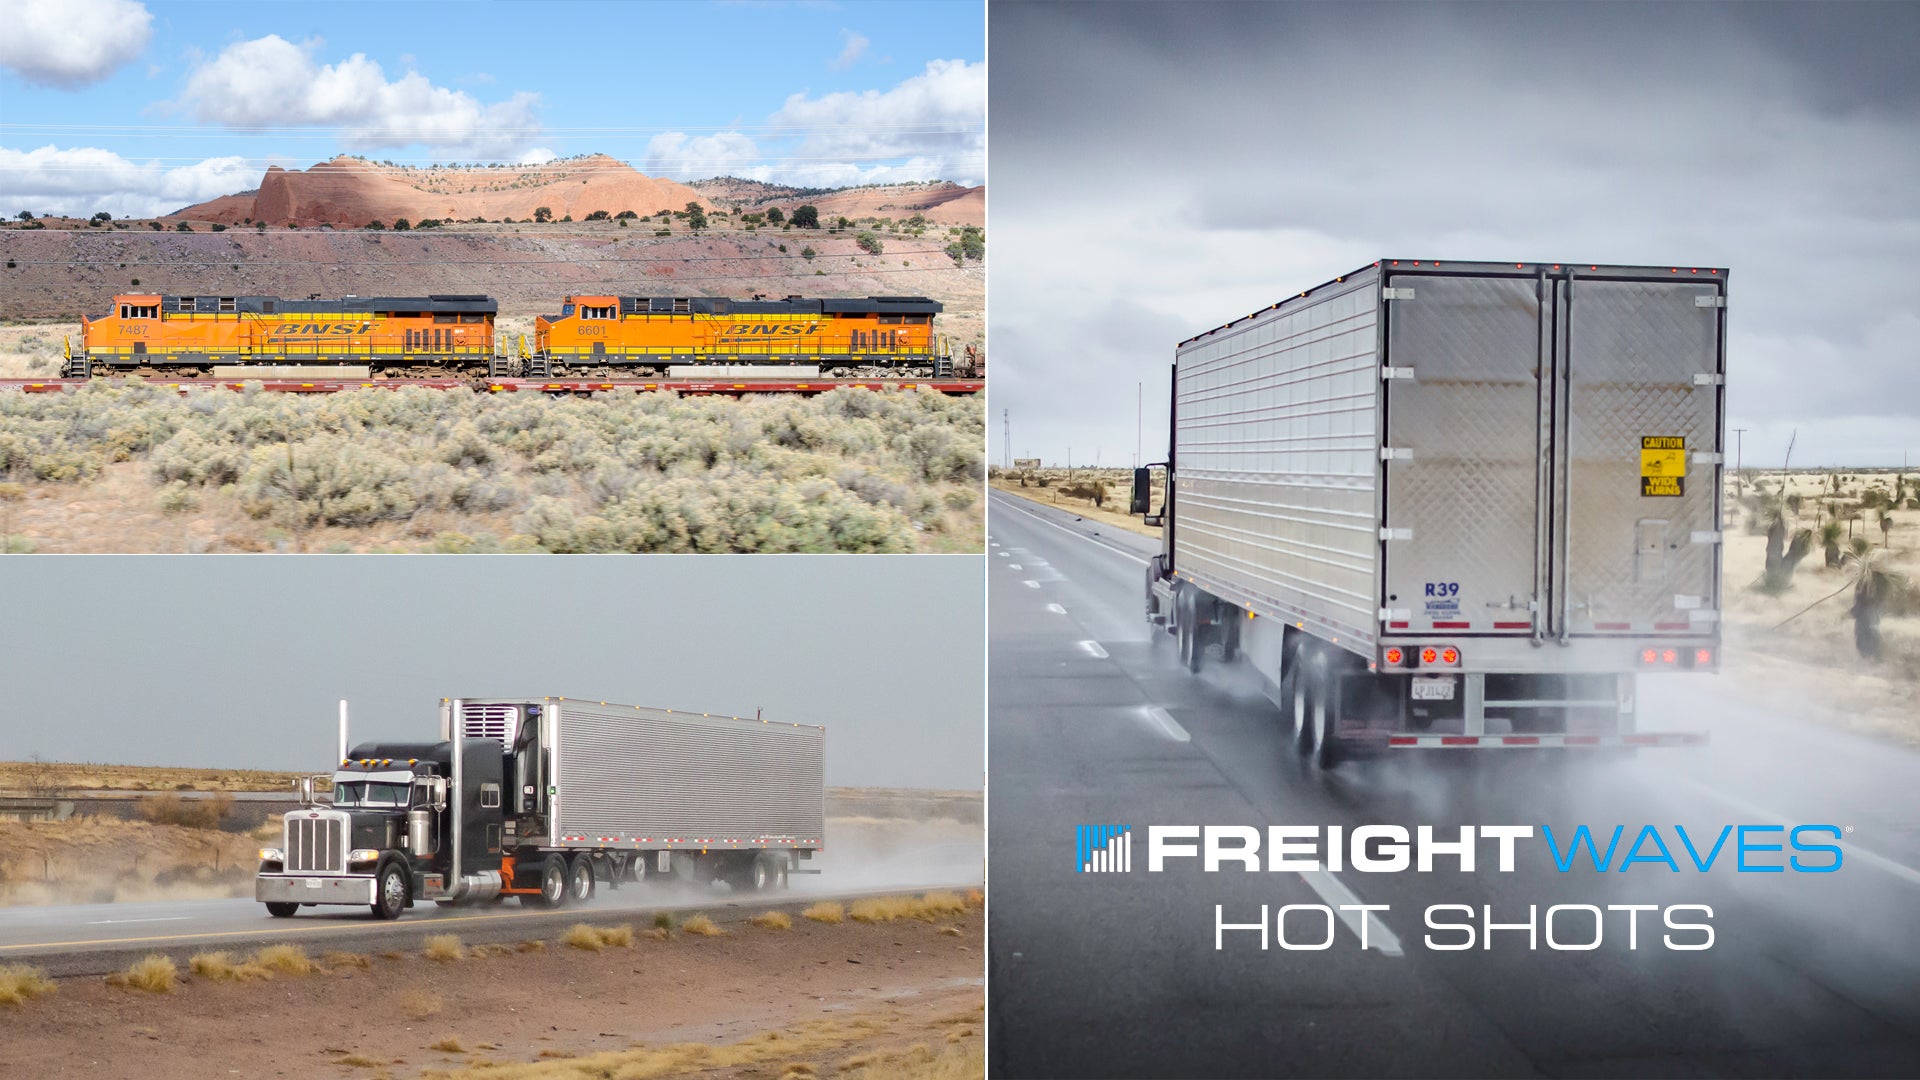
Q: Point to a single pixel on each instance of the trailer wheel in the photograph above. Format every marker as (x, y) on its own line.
(1186, 611)
(580, 879)
(281, 910)
(1295, 691)
(767, 872)
(1323, 711)
(390, 892)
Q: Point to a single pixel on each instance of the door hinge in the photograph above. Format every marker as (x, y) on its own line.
(1706, 536)
(1394, 614)
(1403, 292)
(1395, 373)
(1708, 457)
(1710, 301)
(1396, 534)
(1708, 378)
(1395, 453)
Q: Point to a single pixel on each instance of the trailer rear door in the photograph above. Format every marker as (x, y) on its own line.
(1463, 442)
(1638, 484)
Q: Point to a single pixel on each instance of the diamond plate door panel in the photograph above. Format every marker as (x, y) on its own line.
(1635, 417)
(1469, 418)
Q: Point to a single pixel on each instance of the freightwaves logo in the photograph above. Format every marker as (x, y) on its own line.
(1103, 849)
(1319, 852)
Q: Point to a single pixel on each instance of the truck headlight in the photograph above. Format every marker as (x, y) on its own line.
(272, 854)
(363, 854)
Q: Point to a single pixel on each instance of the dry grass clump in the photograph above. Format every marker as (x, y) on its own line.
(657, 934)
(826, 911)
(283, 960)
(220, 967)
(357, 1061)
(953, 1062)
(949, 931)
(449, 1045)
(702, 926)
(933, 905)
(773, 920)
(155, 974)
(20, 983)
(490, 949)
(976, 898)
(663, 920)
(335, 961)
(420, 1004)
(595, 938)
(531, 946)
(444, 948)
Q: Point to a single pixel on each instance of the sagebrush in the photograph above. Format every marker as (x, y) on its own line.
(847, 471)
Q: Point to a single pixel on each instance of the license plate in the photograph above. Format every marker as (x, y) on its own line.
(314, 883)
(1433, 688)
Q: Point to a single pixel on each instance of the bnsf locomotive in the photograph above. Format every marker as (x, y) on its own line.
(190, 335)
(650, 335)
(454, 335)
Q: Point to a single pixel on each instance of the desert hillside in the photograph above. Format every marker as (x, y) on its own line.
(938, 201)
(352, 191)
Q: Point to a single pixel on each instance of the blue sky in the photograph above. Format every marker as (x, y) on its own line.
(140, 107)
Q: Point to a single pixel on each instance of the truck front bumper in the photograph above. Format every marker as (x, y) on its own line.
(313, 888)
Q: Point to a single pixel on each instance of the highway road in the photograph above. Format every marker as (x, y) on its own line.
(1091, 721)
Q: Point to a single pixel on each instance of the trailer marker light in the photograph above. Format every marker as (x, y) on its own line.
(1449, 655)
(1648, 656)
(1429, 654)
(1668, 656)
(1703, 656)
(1394, 656)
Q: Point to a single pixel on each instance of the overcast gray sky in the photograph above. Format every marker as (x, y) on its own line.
(238, 661)
(1158, 170)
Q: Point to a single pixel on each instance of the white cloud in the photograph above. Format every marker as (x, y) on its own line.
(539, 155)
(680, 156)
(931, 126)
(83, 180)
(854, 46)
(70, 43)
(272, 81)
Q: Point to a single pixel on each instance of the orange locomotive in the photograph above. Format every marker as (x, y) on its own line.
(186, 335)
(649, 335)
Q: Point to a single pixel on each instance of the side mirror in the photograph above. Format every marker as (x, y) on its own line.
(1142, 492)
(439, 793)
(305, 787)
(1154, 521)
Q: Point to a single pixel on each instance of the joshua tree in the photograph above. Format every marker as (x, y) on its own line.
(1830, 539)
(1872, 585)
(1782, 556)
(1886, 528)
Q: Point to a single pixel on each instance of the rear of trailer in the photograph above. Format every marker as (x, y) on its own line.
(1481, 496)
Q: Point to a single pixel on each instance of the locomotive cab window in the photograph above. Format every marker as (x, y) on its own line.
(226, 304)
(139, 311)
(607, 312)
(443, 318)
(889, 320)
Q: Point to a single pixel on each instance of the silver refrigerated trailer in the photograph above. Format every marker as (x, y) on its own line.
(543, 798)
(1452, 505)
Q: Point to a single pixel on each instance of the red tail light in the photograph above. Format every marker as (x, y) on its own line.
(1395, 656)
(1669, 656)
(1450, 655)
(1429, 654)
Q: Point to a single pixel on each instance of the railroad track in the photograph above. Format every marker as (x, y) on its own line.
(687, 387)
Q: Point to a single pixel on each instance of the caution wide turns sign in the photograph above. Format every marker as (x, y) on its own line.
(1663, 465)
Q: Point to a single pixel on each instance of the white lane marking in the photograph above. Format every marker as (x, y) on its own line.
(1031, 584)
(1082, 536)
(1900, 870)
(1094, 650)
(1165, 721)
(1335, 893)
(1015, 566)
(167, 918)
(1002, 554)
(1056, 609)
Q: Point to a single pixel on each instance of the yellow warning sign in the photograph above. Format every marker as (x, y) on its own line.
(1663, 465)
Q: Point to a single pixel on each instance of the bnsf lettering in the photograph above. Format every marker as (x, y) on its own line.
(320, 330)
(780, 329)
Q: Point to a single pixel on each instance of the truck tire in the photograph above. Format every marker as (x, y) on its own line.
(767, 873)
(1293, 691)
(390, 889)
(1186, 613)
(1323, 711)
(553, 882)
(281, 910)
(580, 879)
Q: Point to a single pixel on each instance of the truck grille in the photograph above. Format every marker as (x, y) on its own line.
(316, 844)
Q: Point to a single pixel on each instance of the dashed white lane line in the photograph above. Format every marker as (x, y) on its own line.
(1372, 932)
(1091, 540)
(1056, 609)
(1166, 723)
(1031, 584)
(1094, 649)
(1002, 554)
(116, 922)
(1015, 566)
(1900, 870)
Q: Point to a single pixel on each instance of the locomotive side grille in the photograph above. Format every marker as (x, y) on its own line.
(316, 844)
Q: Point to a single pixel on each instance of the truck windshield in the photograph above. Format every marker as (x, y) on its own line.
(367, 793)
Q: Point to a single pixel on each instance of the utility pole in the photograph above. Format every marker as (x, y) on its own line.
(1006, 438)
(1739, 441)
(1139, 425)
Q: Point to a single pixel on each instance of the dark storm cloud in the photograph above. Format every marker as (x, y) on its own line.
(1187, 164)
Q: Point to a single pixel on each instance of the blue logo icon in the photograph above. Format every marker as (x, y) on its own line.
(1103, 849)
